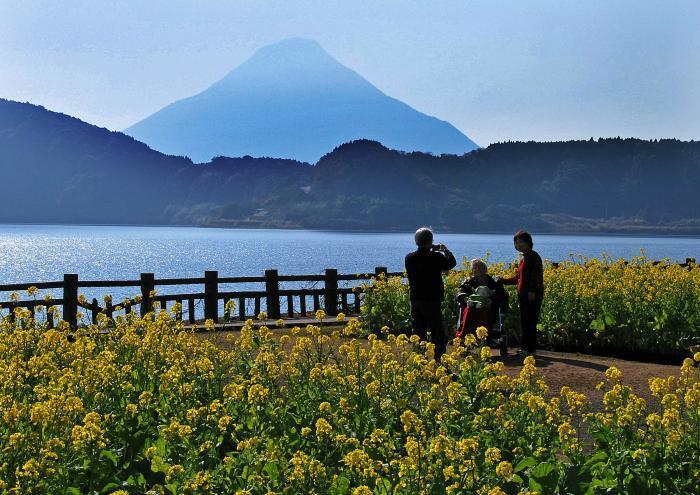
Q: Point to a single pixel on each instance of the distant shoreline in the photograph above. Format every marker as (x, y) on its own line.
(640, 234)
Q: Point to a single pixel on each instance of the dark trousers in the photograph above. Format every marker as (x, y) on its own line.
(428, 315)
(529, 316)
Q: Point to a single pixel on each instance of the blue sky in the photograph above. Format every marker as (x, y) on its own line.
(497, 70)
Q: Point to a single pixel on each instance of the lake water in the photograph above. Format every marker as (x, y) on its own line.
(34, 253)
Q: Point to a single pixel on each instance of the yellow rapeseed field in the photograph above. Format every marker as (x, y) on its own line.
(589, 305)
(150, 408)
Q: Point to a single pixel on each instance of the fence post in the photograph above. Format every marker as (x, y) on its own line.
(211, 295)
(70, 299)
(93, 310)
(272, 291)
(147, 286)
(379, 270)
(330, 292)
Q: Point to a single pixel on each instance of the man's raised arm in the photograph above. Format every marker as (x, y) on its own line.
(450, 261)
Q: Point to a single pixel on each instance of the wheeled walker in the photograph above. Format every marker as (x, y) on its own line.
(478, 311)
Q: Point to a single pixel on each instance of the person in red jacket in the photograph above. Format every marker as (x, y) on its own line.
(530, 283)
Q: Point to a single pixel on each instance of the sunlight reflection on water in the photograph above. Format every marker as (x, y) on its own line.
(33, 253)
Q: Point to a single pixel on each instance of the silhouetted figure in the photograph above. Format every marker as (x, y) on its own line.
(424, 268)
(482, 300)
(530, 281)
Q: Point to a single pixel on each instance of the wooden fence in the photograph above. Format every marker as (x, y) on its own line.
(278, 302)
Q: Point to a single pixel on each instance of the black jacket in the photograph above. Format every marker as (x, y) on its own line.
(499, 298)
(424, 268)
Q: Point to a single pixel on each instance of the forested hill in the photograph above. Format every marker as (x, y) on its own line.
(596, 185)
(58, 169)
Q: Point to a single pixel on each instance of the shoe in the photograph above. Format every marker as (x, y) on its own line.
(524, 353)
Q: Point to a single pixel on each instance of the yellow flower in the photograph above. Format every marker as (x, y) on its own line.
(323, 428)
(639, 453)
(504, 470)
(411, 422)
(257, 394)
(174, 471)
(150, 452)
(485, 353)
(340, 317)
(372, 389)
(262, 315)
(613, 374)
(492, 455)
(230, 307)
(224, 422)
(362, 490)
(359, 461)
(89, 435)
(482, 332)
(320, 315)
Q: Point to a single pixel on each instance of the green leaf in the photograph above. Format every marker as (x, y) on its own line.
(577, 478)
(110, 487)
(158, 465)
(598, 324)
(340, 486)
(534, 485)
(545, 476)
(525, 463)
(599, 457)
(639, 486)
(109, 455)
(272, 471)
(543, 470)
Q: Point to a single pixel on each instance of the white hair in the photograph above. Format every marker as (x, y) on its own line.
(423, 237)
(479, 262)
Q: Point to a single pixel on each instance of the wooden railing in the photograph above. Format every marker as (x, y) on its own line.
(277, 302)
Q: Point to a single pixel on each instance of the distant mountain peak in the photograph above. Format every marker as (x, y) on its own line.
(292, 45)
(292, 99)
(292, 52)
(291, 64)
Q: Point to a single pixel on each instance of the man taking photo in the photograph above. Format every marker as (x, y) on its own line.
(424, 268)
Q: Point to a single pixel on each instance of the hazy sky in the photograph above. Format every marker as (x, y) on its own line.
(497, 70)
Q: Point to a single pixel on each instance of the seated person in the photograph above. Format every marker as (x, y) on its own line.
(480, 297)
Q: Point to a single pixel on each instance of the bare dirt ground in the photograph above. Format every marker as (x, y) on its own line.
(581, 372)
